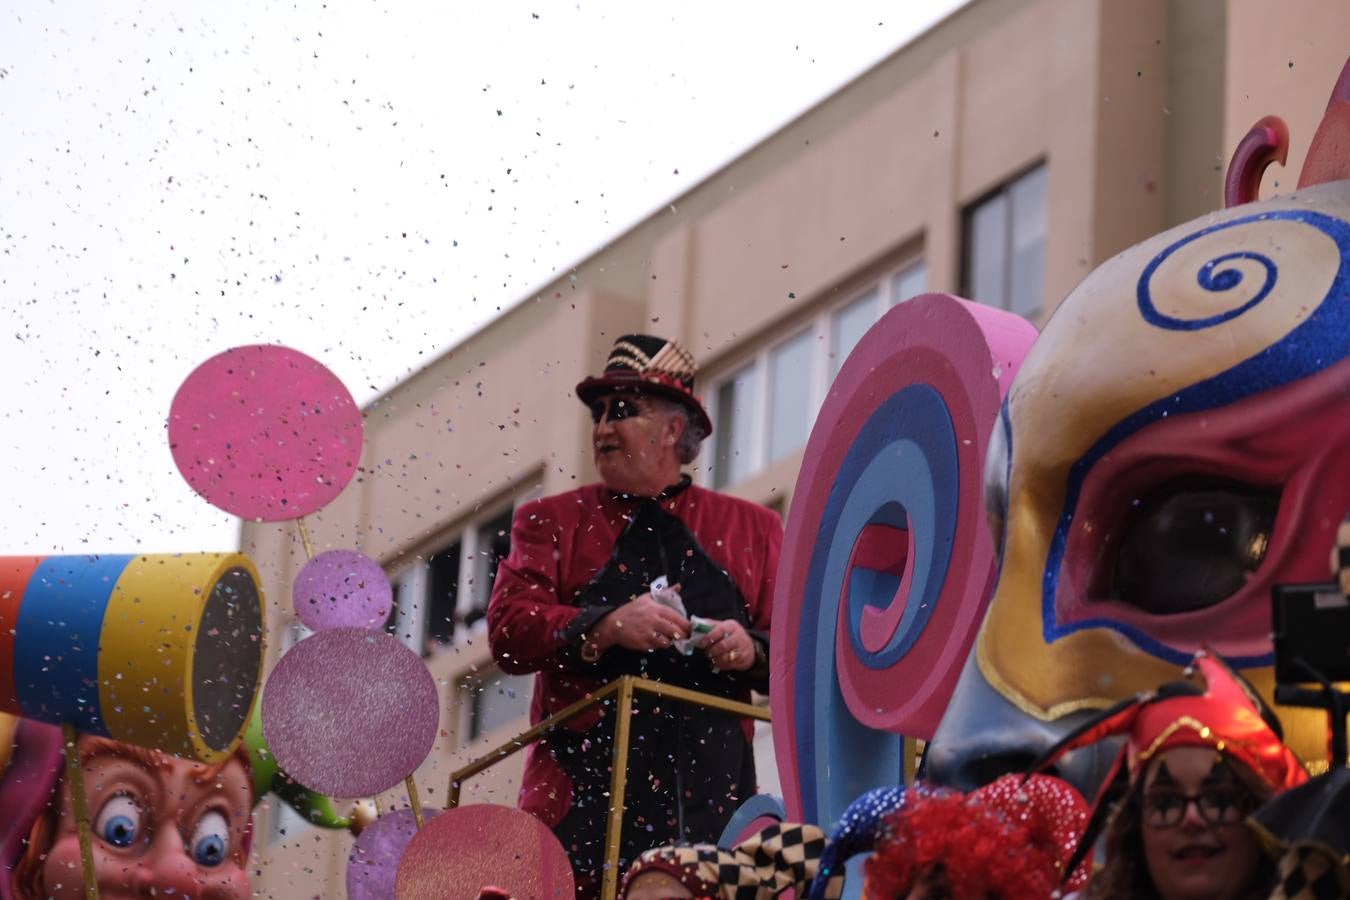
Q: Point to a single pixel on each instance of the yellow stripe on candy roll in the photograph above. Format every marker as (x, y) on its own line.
(181, 652)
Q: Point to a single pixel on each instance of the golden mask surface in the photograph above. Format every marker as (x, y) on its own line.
(1173, 446)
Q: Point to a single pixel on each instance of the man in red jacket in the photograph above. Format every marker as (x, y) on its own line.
(574, 603)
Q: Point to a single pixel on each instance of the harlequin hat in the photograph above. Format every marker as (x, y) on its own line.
(1225, 715)
(782, 856)
(647, 364)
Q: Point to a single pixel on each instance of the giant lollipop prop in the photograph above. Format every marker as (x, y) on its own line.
(269, 434)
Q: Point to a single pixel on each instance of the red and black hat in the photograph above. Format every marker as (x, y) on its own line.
(647, 364)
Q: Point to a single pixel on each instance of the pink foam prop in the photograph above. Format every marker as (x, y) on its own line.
(342, 589)
(472, 847)
(265, 432)
(350, 712)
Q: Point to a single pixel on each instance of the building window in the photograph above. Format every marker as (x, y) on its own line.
(734, 431)
(493, 699)
(911, 281)
(849, 324)
(789, 384)
(443, 598)
(763, 409)
(492, 542)
(1004, 264)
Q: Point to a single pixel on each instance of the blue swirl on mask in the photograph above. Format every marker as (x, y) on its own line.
(1211, 278)
(1321, 341)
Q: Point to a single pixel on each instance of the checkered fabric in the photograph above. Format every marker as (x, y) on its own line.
(766, 865)
(1310, 872)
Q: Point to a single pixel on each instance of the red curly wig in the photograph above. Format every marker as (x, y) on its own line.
(1009, 840)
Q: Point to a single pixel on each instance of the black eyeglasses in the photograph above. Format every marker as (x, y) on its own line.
(618, 407)
(1219, 806)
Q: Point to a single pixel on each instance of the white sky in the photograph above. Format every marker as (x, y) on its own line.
(364, 181)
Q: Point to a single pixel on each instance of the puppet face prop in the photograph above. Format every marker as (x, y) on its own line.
(1173, 446)
(161, 826)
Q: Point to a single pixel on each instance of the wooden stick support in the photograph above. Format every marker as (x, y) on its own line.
(304, 537)
(80, 801)
(415, 800)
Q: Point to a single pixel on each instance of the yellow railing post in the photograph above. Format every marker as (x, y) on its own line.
(618, 786)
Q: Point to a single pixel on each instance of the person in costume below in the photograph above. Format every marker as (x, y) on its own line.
(1197, 760)
(780, 858)
(1009, 840)
(579, 601)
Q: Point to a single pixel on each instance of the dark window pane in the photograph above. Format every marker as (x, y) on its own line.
(987, 252)
(734, 429)
(494, 543)
(443, 593)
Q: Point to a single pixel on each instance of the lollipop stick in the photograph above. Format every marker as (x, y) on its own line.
(415, 800)
(304, 538)
(75, 773)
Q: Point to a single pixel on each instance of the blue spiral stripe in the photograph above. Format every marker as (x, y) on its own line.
(907, 445)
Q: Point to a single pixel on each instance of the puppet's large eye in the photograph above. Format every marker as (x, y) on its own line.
(1194, 544)
(119, 821)
(211, 840)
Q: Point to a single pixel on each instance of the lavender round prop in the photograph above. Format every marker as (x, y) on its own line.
(373, 863)
(342, 589)
(350, 712)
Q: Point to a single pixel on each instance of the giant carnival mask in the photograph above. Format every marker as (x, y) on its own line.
(1171, 446)
(1174, 445)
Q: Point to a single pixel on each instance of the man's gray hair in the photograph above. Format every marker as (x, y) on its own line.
(693, 435)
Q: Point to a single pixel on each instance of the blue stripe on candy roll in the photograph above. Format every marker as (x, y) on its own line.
(57, 639)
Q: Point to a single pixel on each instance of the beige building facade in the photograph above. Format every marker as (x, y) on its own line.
(1002, 155)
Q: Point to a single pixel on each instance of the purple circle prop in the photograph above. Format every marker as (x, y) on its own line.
(350, 712)
(265, 432)
(373, 863)
(342, 589)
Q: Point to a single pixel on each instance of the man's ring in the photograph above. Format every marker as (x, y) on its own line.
(731, 655)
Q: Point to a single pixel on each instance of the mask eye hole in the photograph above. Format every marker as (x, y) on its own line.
(1193, 544)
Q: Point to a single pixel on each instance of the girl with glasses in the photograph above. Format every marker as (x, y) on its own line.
(1197, 760)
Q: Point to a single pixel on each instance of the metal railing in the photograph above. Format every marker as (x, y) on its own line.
(623, 688)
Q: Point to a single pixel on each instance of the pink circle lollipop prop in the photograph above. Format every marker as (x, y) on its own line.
(350, 712)
(342, 589)
(265, 432)
(373, 863)
(472, 847)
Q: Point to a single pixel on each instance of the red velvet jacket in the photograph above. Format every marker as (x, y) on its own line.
(557, 545)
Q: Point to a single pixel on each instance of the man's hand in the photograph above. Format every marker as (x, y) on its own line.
(730, 647)
(640, 624)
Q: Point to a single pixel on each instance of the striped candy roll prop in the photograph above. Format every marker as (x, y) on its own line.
(162, 651)
(887, 561)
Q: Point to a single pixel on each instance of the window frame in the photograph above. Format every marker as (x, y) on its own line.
(1004, 190)
(820, 328)
(412, 579)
